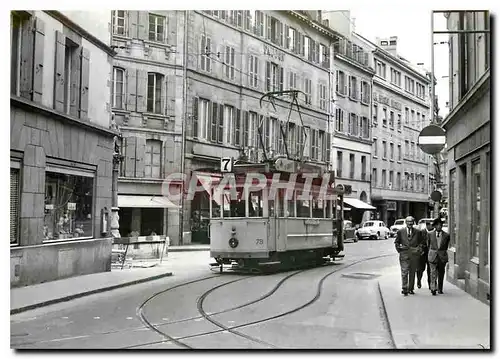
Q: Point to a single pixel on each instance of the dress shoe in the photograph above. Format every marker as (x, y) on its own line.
(412, 292)
(405, 293)
(419, 285)
(433, 292)
(441, 292)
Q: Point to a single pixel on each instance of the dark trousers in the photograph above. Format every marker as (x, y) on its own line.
(408, 261)
(423, 264)
(437, 274)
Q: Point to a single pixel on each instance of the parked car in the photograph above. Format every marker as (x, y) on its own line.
(373, 230)
(400, 223)
(349, 232)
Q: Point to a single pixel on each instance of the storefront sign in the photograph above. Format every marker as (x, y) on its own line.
(274, 53)
(71, 206)
(478, 139)
(312, 222)
(49, 207)
(391, 205)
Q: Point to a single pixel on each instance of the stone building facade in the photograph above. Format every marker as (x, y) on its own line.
(60, 147)
(468, 137)
(400, 110)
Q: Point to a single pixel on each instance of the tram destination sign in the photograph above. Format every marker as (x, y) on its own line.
(432, 139)
(226, 164)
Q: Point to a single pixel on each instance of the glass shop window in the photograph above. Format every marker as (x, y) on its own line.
(68, 206)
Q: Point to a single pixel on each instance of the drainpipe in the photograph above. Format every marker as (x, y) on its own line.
(183, 130)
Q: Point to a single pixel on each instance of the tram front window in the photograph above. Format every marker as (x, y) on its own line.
(255, 205)
(317, 209)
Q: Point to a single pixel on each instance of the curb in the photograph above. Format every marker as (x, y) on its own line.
(173, 249)
(84, 294)
(387, 317)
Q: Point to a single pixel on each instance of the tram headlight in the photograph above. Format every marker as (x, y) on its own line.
(233, 242)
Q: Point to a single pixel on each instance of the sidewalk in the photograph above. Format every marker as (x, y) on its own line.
(40, 295)
(453, 320)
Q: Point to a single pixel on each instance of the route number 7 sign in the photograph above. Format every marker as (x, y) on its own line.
(226, 164)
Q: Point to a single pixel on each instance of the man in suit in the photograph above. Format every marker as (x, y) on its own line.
(423, 262)
(438, 242)
(409, 246)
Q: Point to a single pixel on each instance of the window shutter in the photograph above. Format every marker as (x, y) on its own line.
(245, 128)
(237, 128)
(213, 125)
(163, 101)
(328, 145)
(194, 130)
(302, 42)
(38, 60)
(286, 44)
(142, 88)
(140, 149)
(280, 34)
(76, 64)
(266, 128)
(84, 83)
(132, 23)
(131, 89)
(268, 27)
(130, 143)
(59, 72)
(268, 76)
(14, 205)
(143, 25)
(26, 66)
(282, 76)
(220, 132)
(148, 156)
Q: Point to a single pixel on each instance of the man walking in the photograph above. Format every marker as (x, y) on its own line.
(438, 242)
(409, 246)
(423, 262)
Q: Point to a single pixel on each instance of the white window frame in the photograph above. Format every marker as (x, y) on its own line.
(204, 109)
(115, 17)
(157, 24)
(206, 61)
(115, 71)
(308, 90)
(229, 123)
(229, 61)
(157, 76)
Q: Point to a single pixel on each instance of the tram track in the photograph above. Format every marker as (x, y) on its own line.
(167, 337)
(232, 329)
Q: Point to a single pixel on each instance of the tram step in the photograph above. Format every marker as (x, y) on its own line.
(269, 263)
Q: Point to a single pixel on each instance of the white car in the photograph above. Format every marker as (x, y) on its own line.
(373, 230)
(422, 224)
(400, 223)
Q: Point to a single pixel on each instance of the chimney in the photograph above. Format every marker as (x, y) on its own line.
(389, 44)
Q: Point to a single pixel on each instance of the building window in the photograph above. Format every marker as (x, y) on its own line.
(156, 28)
(152, 159)
(229, 63)
(391, 179)
(375, 112)
(15, 52)
(380, 69)
(259, 23)
(315, 146)
(353, 128)
(399, 122)
(413, 150)
(409, 85)
(399, 153)
(307, 42)
(72, 77)
(351, 166)
(341, 86)
(422, 185)
(292, 81)
(155, 93)
(391, 119)
(384, 147)
(374, 177)
(323, 103)
(365, 92)
(206, 50)
(68, 204)
(398, 181)
(407, 149)
(353, 88)
(324, 56)
(276, 32)
(365, 130)
(118, 22)
(391, 145)
(384, 178)
(250, 130)
(229, 128)
(253, 71)
(384, 117)
(308, 90)
(375, 148)
(118, 88)
(292, 39)
(407, 115)
(476, 207)
(339, 117)
(363, 168)
(274, 77)
(396, 77)
(15, 202)
(339, 164)
(413, 120)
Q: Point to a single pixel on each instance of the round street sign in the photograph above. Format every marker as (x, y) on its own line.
(436, 196)
(432, 139)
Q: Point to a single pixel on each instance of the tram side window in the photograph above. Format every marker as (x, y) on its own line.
(238, 205)
(282, 204)
(215, 209)
(291, 204)
(255, 206)
(318, 208)
(303, 207)
(328, 209)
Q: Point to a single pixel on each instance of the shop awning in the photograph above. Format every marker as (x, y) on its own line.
(356, 203)
(145, 202)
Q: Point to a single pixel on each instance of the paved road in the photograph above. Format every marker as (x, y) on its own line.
(335, 306)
